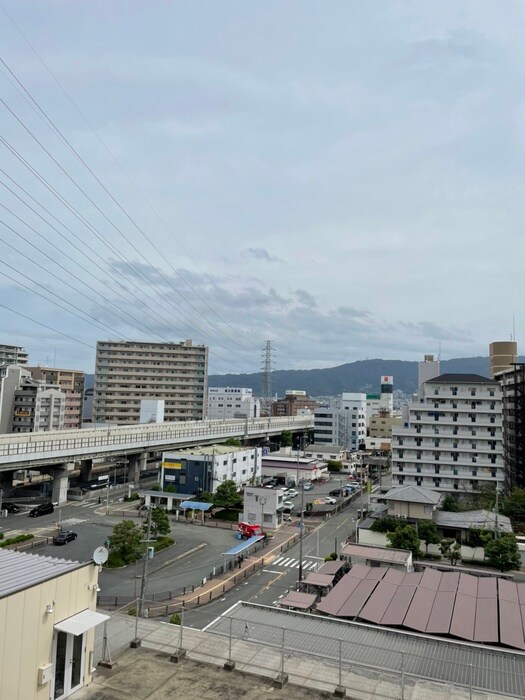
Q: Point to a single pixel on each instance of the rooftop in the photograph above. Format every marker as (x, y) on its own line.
(19, 570)
(413, 494)
(461, 379)
(206, 451)
(476, 519)
(324, 448)
(384, 554)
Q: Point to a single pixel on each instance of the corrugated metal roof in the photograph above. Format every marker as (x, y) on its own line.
(386, 554)
(442, 660)
(294, 599)
(19, 570)
(479, 519)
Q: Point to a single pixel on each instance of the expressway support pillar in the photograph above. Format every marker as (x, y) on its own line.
(136, 464)
(61, 482)
(86, 466)
(6, 482)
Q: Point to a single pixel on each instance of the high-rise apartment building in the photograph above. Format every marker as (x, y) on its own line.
(512, 383)
(13, 355)
(342, 422)
(72, 383)
(427, 370)
(452, 440)
(226, 402)
(128, 371)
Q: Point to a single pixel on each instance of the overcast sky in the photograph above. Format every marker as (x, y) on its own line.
(345, 178)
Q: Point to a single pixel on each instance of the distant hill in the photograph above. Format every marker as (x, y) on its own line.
(363, 376)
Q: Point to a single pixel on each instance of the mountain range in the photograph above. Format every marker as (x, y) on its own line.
(361, 376)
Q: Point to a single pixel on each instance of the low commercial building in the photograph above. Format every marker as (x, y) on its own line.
(263, 507)
(326, 452)
(225, 403)
(47, 621)
(292, 470)
(293, 403)
(204, 468)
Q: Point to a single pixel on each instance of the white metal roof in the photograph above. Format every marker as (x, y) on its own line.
(20, 570)
(81, 622)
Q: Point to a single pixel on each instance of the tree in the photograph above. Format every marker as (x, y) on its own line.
(404, 537)
(160, 524)
(514, 505)
(503, 553)
(427, 531)
(233, 442)
(226, 495)
(450, 549)
(450, 504)
(385, 524)
(286, 438)
(334, 465)
(125, 543)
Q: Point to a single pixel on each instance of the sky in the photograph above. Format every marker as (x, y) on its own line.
(343, 178)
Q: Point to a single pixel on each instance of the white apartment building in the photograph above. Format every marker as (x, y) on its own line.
(226, 402)
(342, 422)
(204, 468)
(128, 371)
(13, 355)
(27, 405)
(452, 441)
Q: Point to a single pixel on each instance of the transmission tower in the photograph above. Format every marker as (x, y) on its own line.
(266, 371)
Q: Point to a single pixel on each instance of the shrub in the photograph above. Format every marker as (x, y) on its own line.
(334, 465)
(16, 540)
(132, 612)
(133, 497)
(175, 619)
(386, 524)
(331, 557)
(115, 561)
(225, 514)
(162, 543)
(1, 535)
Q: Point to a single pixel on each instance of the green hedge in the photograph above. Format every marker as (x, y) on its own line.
(16, 540)
(231, 515)
(162, 543)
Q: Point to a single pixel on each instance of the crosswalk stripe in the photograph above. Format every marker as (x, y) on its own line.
(286, 562)
(278, 561)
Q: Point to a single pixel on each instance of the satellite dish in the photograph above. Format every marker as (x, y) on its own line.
(100, 555)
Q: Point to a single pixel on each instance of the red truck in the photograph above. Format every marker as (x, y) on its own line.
(246, 530)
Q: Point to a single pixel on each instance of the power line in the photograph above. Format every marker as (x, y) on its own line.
(28, 95)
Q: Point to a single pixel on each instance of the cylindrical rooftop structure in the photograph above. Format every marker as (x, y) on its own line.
(503, 354)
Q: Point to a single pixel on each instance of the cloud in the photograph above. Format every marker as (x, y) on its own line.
(260, 254)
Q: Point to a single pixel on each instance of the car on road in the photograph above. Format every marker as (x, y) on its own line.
(41, 509)
(10, 507)
(288, 505)
(291, 493)
(64, 536)
(329, 501)
(308, 486)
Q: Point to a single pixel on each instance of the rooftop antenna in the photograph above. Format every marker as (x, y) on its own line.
(266, 370)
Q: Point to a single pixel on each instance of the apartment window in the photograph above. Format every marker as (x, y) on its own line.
(418, 442)
(454, 457)
(436, 442)
(418, 429)
(436, 456)
(492, 419)
(399, 467)
(437, 482)
(436, 392)
(418, 454)
(419, 481)
(436, 469)
(493, 459)
(472, 418)
(436, 431)
(473, 405)
(473, 445)
(400, 441)
(493, 473)
(418, 470)
(454, 404)
(400, 453)
(491, 392)
(473, 392)
(473, 431)
(455, 417)
(400, 479)
(455, 472)
(455, 431)
(454, 391)
(492, 405)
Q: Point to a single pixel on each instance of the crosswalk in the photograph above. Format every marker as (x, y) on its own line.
(291, 563)
(80, 504)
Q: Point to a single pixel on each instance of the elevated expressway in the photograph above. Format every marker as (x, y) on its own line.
(59, 451)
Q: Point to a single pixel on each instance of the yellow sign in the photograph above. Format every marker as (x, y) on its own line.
(172, 465)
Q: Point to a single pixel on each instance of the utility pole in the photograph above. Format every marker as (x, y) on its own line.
(301, 528)
(496, 509)
(145, 567)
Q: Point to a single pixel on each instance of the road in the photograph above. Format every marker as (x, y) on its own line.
(171, 569)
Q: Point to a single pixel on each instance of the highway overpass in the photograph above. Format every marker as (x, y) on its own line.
(58, 451)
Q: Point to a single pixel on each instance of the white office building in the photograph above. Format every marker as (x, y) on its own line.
(225, 402)
(452, 440)
(342, 422)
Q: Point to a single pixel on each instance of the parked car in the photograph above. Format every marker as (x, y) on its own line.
(292, 493)
(41, 509)
(288, 505)
(329, 501)
(10, 507)
(64, 536)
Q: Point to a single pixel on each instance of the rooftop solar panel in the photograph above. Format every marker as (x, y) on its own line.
(378, 602)
(441, 614)
(396, 611)
(464, 616)
(420, 609)
(486, 622)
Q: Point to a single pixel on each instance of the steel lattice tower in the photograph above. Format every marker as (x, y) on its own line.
(266, 371)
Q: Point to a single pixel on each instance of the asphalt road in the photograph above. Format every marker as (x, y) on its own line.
(196, 551)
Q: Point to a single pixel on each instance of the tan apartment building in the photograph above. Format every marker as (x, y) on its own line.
(128, 371)
(380, 425)
(72, 383)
